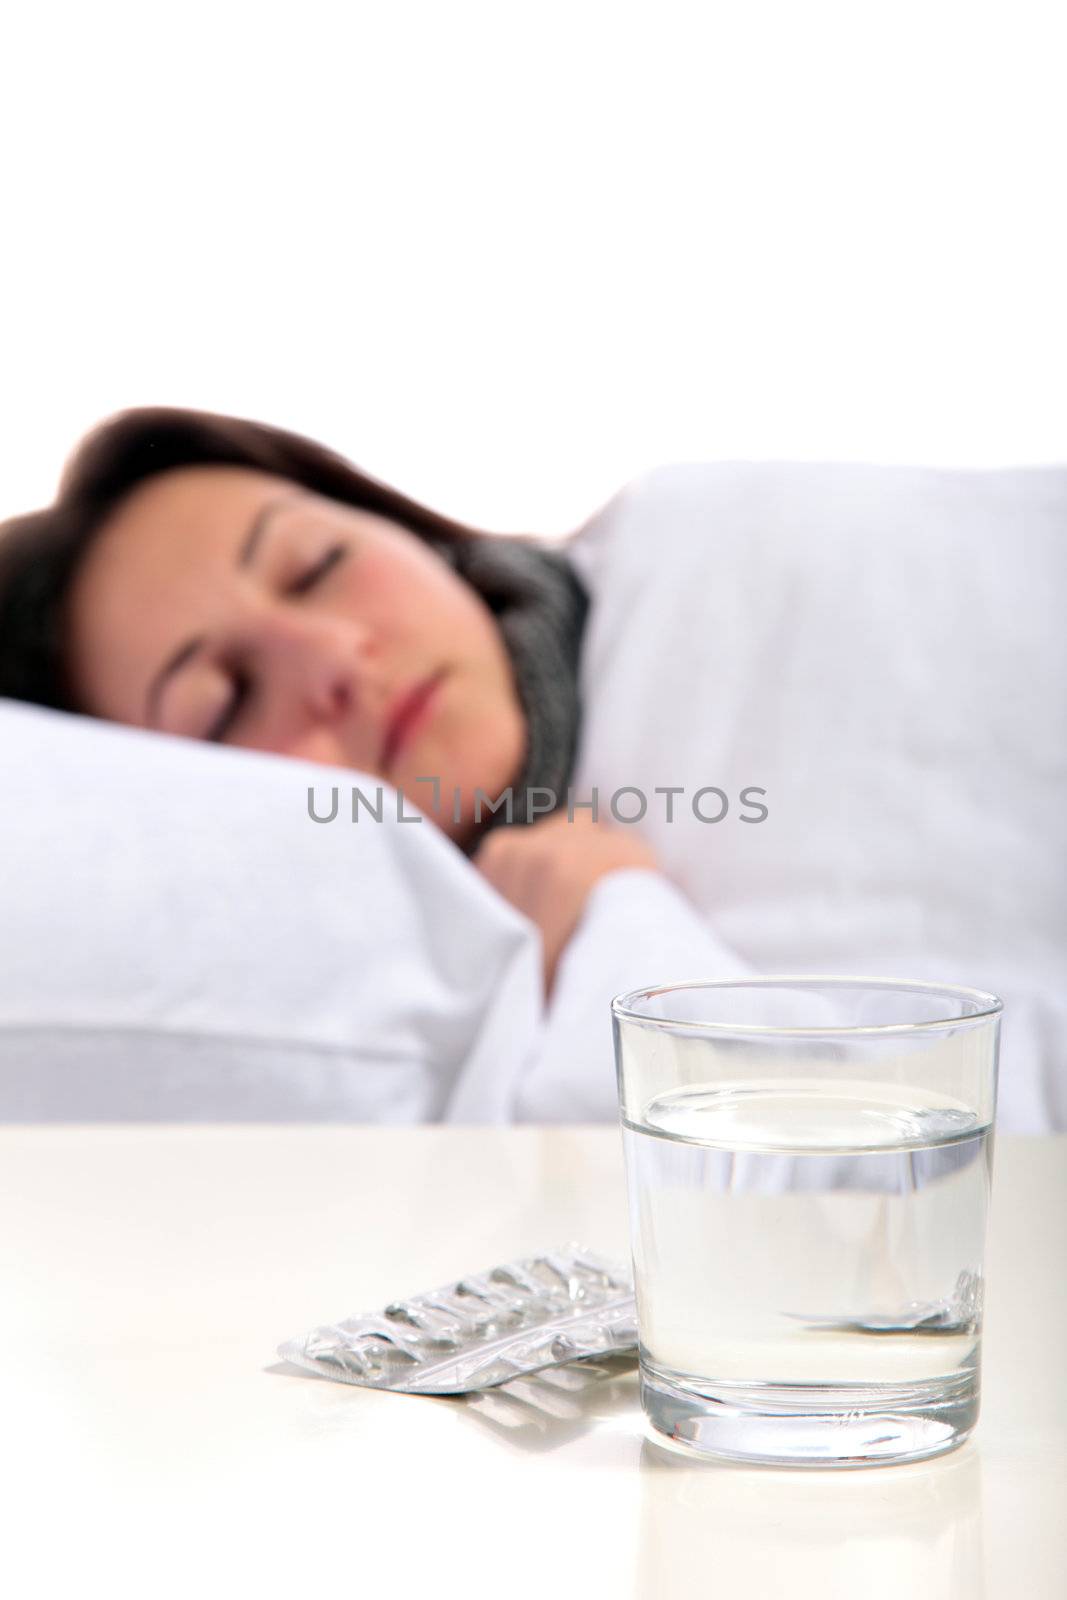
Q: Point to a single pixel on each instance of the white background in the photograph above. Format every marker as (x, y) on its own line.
(506, 255)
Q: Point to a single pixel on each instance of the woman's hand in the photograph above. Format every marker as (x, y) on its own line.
(546, 870)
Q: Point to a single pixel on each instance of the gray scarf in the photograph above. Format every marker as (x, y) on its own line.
(540, 606)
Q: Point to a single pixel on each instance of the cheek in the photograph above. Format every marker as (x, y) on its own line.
(410, 597)
(382, 591)
(320, 745)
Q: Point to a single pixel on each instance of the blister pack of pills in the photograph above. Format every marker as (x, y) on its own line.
(483, 1330)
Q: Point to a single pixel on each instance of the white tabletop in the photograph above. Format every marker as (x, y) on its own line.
(153, 1445)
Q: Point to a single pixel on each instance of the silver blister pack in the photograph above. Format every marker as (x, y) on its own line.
(484, 1330)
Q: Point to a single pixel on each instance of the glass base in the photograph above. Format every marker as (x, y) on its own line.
(811, 1425)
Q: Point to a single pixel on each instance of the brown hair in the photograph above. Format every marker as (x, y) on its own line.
(40, 552)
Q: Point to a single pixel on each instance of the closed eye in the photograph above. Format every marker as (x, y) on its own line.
(315, 574)
(222, 723)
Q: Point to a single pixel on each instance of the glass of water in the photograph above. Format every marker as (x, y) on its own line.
(808, 1163)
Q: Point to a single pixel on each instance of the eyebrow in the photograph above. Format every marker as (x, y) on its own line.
(245, 555)
(260, 523)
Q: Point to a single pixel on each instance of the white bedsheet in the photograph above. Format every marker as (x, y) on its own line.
(883, 651)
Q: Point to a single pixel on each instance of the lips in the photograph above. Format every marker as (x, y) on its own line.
(404, 714)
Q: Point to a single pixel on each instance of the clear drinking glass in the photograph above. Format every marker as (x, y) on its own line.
(808, 1162)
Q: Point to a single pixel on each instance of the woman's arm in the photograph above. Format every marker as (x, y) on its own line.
(547, 870)
(610, 921)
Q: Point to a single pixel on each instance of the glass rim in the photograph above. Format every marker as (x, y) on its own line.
(624, 1006)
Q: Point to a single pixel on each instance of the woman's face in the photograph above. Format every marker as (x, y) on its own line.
(225, 604)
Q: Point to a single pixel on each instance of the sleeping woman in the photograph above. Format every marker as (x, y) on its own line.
(815, 702)
(223, 580)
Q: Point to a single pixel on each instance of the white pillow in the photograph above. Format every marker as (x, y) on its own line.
(180, 940)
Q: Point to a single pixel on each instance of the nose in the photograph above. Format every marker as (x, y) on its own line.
(320, 662)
